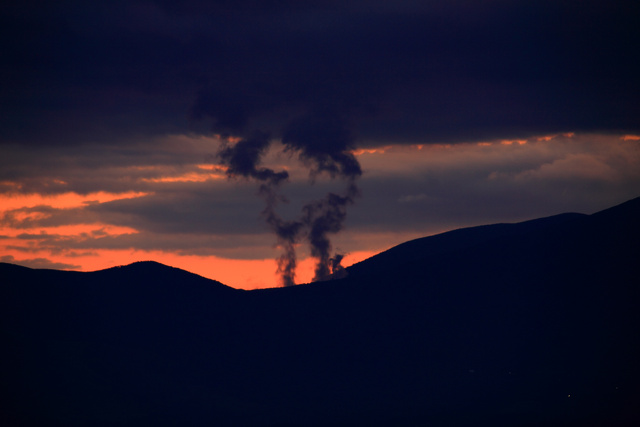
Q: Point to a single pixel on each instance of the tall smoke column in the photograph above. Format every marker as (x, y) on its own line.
(287, 233)
(324, 143)
(323, 217)
(242, 159)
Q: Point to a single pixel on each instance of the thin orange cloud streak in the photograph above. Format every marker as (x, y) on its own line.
(204, 172)
(513, 141)
(64, 200)
(72, 230)
(555, 135)
(378, 150)
(212, 167)
(188, 177)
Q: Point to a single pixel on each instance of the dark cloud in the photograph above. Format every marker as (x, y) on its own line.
(248, 247)
(225, 212)
(440, 188)
(413, 71)
(188, 210)
(323, 143)
(89, 168)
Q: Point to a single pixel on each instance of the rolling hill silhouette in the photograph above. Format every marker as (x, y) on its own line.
(535, 323)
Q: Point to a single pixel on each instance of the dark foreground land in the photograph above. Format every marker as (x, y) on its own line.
(536, 323)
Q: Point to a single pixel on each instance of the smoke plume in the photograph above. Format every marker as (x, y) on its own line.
(323, 217)
(324, 143)
(242, 159)
(287, 233)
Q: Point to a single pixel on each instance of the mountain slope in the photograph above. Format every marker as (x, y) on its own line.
(616, 226)
(452, 241)
(526, 324)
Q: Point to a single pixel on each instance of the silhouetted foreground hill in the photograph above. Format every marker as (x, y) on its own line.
(534, 323)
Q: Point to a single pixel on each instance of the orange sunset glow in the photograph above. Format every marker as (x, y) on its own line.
(72, 230)
(24, 243)
(240, 274)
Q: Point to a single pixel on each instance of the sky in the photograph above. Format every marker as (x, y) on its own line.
(258, 142)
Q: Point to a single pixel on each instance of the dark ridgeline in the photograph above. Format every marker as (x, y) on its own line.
(535, 323)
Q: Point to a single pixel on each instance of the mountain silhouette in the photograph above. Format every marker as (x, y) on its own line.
(534, 323)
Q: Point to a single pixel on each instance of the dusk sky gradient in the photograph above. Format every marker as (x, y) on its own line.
(458, 113)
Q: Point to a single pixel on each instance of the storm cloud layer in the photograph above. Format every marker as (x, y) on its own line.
(76, 72)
